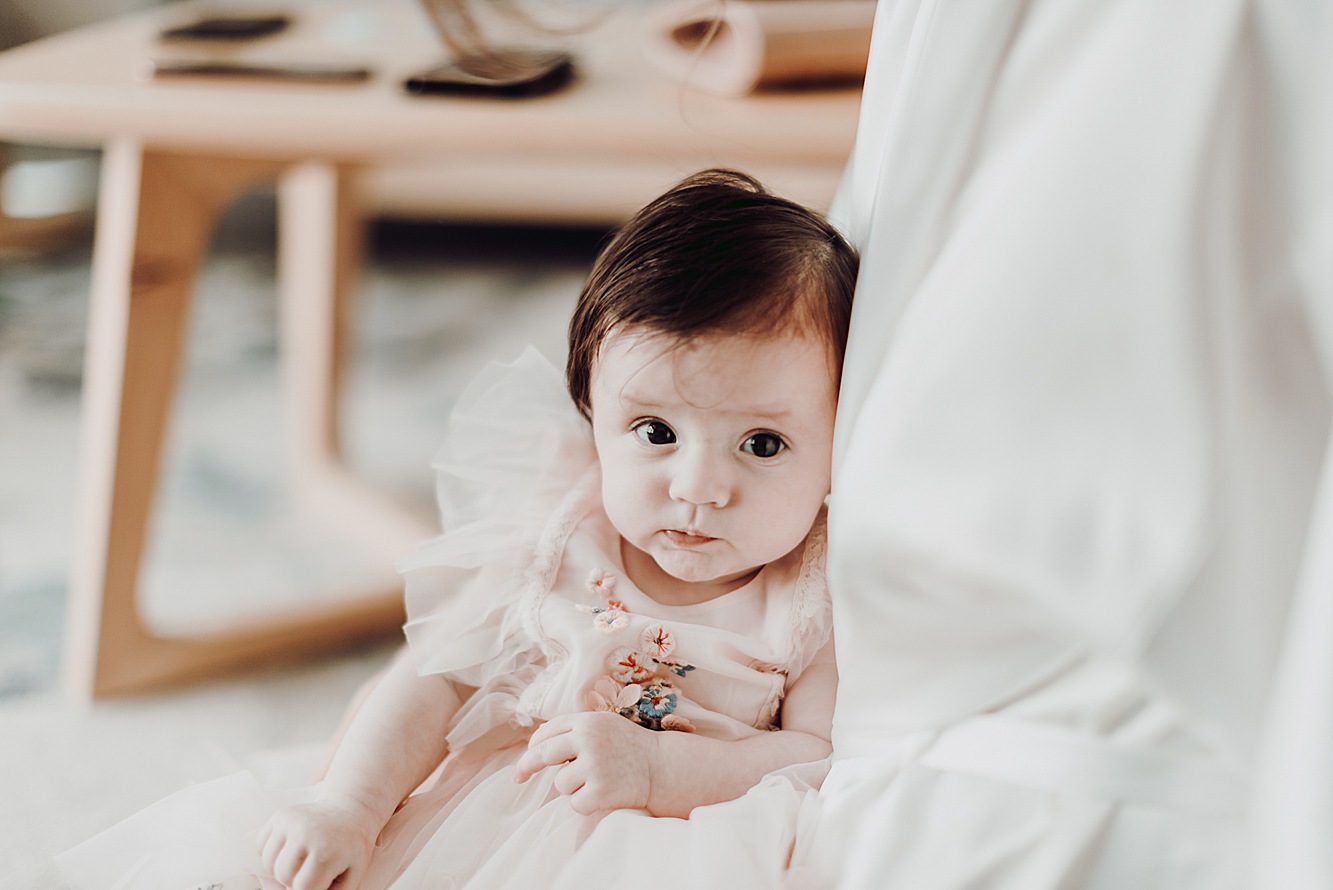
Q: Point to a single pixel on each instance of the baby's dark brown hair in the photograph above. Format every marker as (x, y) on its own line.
(717, 254)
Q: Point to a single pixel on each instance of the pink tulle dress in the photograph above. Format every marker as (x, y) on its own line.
(526, 600)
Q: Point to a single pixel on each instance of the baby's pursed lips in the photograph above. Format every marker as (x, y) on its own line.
(688, 536)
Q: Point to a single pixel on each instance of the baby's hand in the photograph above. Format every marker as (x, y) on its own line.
(308, 846)
(604, 761)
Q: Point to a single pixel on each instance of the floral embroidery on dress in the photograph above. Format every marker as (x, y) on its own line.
(609, 621)
(612, 617)
(640, 683)
(656, 701)
(608, 695)
(675, 666)
(657, 641)
(639, 689)
(602, 582)
(648, 704)
(628, 666)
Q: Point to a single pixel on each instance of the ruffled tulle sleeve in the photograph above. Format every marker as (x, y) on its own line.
(515, 451)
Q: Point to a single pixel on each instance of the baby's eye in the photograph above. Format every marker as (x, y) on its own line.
(654, 432)
(763, 445)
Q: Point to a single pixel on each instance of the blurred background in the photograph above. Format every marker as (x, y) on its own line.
(450, 282)
(440, 297)
(467, 261)
(438, 300)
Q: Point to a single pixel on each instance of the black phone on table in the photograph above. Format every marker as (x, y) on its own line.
(229, 28)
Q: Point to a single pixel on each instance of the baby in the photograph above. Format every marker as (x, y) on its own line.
(627, 611)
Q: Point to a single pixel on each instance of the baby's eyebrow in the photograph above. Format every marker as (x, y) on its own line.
(766, 411)
(630, 398)
(774, 413)
(639, 400)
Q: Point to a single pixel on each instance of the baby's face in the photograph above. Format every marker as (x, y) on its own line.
(716, 454)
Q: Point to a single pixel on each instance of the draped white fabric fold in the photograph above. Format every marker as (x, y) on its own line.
(1084, 412)
(1292, 815)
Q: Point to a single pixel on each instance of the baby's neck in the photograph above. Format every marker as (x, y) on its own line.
(669, 590)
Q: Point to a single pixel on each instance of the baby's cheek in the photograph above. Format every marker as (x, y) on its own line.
(788, 517)
(624, 501)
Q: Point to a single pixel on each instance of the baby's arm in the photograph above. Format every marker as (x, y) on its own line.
(606, 762)
(394, 741)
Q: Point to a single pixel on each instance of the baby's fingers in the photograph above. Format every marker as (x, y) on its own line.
(570, 779)
(541, 754)
(288, 864)
(271, 842)
(319, 874)
(552, 728)
(298, 867)
(283, 855)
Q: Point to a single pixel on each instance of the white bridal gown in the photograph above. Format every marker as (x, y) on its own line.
(1080, 550)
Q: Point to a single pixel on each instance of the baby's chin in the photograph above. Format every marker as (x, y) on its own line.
(657, 569)
(700, 568)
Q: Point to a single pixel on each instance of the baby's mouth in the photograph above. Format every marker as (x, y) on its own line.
(687, 537)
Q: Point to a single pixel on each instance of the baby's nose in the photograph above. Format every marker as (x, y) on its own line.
(700, 478)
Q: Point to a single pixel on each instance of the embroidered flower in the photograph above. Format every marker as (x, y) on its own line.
(648, 677)
(656, 701)
(675, 666)
(613, 616)
(602, 582)
(607, 694)
(677, 723)
(609, 621)
(628, 666)
(657, 641)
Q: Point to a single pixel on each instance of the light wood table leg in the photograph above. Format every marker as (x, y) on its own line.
(320, 242)
(155, 215)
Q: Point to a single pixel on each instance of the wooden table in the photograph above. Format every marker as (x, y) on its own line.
(175, 153)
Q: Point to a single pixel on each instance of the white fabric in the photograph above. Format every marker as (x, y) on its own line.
(1084, 413)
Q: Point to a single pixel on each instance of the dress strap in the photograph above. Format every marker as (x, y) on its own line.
(811, 610)
(541, 576)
